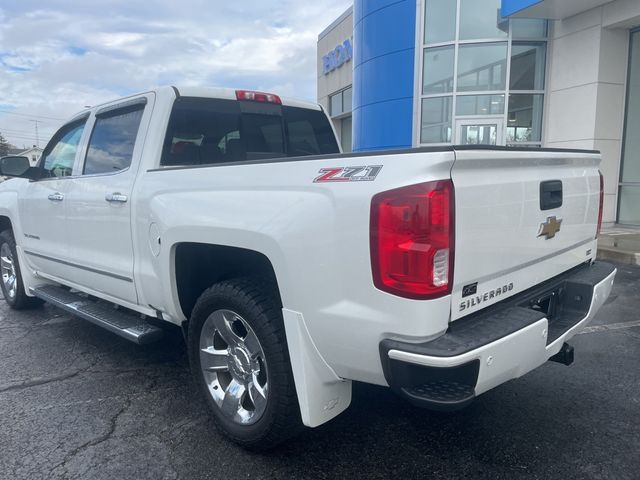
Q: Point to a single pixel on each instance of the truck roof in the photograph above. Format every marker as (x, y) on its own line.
(230, 94)
(206, 92)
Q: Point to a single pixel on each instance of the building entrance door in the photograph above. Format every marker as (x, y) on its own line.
(480, 131)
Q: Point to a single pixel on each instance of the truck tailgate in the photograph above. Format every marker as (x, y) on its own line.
(507, 238)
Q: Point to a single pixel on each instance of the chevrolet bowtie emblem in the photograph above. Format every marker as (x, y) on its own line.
(549, 228)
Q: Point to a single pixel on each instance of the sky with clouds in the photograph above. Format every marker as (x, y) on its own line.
(57, 56)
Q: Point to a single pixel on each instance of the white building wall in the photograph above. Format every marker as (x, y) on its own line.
(621, 14)
(588, 61)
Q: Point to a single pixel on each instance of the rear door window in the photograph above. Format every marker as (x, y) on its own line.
(112, 140)
(207, 131)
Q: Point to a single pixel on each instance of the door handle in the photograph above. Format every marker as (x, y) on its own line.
(56, 197)
(550, 194)
(116, 197)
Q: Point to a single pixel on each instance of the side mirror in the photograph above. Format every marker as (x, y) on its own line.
(14, 166)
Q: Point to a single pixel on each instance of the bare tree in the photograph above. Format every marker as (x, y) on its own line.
(4, 146)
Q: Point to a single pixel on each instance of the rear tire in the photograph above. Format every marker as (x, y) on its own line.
(239, 358)
(10, 276)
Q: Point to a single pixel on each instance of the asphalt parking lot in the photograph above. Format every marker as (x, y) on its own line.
(78, 402)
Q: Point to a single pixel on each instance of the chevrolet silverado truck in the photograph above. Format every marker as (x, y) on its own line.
(293, 269)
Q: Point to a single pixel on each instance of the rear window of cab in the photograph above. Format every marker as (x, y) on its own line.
(204, 131)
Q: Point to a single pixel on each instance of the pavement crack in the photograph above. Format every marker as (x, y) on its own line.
(113, 423)
(34, 382)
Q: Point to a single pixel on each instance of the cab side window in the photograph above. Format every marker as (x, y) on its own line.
(59, 156)
(112, 140)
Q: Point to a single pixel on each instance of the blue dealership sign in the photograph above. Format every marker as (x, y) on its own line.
(509, 7)
(337, 57)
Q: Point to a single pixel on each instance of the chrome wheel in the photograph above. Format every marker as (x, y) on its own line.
(8, 269)
(234, 367)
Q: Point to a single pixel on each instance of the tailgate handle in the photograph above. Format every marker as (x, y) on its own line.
(550, 194)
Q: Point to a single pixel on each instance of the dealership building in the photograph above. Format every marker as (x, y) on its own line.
(539, 73)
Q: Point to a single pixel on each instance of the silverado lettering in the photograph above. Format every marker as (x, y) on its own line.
(478, 299)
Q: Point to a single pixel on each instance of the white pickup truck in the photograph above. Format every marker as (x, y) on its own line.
(293, 269)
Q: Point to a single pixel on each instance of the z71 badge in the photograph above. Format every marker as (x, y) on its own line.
(348, 174)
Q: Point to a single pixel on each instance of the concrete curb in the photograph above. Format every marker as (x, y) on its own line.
(618, 255)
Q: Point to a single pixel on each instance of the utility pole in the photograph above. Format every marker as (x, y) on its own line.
(37, 137)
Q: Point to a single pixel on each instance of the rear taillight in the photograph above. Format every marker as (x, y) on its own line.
(412, 240)
(601, 208)
(258, 97)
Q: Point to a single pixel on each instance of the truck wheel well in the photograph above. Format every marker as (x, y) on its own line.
(200, 265)
(5, 224)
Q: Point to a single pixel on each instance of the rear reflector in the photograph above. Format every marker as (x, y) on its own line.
(601, 208)
(412, 240)
(261, 97)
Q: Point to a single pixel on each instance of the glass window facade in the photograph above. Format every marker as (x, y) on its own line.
(340, 106)
(346, 137)
(481, 19)
(527, 66)
(478, 134)
(477, 64)
(341, 102)
(629, 213)
(335, 104)
(440, 21)
(436, 120)
(528, 28)
(480, 105)
(629, 198)
(482, 66)
(438, 70)
(524, 121)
